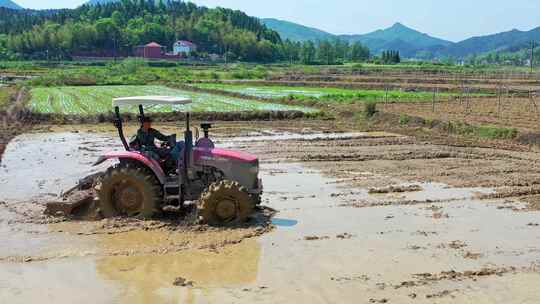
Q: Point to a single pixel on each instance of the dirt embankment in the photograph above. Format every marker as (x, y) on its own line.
(54, 118)
(12, 119)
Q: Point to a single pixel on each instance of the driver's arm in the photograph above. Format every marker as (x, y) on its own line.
(134, 142)
(160, 135)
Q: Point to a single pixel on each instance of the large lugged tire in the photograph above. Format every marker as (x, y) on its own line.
(225, 203)
(129, 191)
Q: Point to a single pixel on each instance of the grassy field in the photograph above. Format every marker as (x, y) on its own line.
(97, 99)
(322, 93)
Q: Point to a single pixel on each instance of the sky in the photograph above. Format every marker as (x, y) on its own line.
(453, 20)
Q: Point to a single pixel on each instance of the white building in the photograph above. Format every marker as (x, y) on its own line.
(184, 47)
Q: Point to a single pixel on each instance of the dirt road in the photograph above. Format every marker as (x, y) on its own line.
(362, 218)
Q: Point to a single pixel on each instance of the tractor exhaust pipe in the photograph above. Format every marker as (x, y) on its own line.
(119, 127)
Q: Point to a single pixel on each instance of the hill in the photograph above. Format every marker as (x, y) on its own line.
(296, 32)
(9, 4)
(117, 28)
(94, 2)
(510, 41)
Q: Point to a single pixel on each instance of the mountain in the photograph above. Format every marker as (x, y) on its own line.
(412, 43)
(9, 4)
(296, 32)
(95, 2)
(502, 42)
(398, 37)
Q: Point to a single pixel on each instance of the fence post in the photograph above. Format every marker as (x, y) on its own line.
(467, 99)
(433, 99)
(499, 96)
(531, 98)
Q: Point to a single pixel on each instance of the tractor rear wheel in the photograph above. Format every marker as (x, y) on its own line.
(129, 190)
(225, 203)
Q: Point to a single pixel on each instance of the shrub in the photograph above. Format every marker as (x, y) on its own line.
(404, 119)
(496, 132)
(370, 108)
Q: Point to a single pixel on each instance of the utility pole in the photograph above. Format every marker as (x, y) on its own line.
(532, 56)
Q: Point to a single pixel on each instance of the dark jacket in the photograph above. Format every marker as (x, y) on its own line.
(145, 140)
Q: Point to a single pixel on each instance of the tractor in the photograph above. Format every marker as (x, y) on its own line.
(223, 183)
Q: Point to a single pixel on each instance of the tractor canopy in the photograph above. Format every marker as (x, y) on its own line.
(150, 100)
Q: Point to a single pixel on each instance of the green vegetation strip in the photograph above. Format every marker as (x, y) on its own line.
(320, 93)
(483, 131)
(5, 94)
(97, 99)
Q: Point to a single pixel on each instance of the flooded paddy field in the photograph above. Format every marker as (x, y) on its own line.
(351, 217)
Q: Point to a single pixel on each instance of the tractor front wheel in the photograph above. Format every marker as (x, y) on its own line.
(225, 203)
(128, 190)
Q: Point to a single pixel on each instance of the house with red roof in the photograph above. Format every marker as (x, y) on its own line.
(152, 50)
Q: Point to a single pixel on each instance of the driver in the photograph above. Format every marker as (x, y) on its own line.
(145, 141)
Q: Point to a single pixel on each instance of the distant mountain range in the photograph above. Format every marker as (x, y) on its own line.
(94, 2)
(296, 32)
(412, 43)
(9, 4)
(398, 37)
(510, 41)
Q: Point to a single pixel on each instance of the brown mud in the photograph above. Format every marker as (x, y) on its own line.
(449, 238)
(519, 113)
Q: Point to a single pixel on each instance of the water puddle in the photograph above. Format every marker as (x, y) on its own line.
(284, 222)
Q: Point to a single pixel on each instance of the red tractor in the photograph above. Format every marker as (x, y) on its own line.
(224, 183)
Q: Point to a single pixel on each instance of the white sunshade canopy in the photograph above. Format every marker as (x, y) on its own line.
(150, 100)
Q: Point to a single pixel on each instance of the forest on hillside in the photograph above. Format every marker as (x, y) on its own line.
(115, 29)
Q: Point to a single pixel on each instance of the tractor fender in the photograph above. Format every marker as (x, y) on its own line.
(136, 156)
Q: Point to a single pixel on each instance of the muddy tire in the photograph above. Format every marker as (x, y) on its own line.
(127, 190)
(225, 203)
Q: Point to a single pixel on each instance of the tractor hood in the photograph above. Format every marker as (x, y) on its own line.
(217, 154)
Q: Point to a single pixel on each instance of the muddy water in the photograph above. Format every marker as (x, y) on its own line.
(42, 165)
(323, 249)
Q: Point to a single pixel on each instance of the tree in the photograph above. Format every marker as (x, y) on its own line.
(390, 57)
(359, 53)
(326, 53)
(307, 55)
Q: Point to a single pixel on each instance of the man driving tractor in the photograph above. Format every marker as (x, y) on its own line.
(144, 141)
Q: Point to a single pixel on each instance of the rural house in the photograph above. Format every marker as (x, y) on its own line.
(152, 50)
(184, 47)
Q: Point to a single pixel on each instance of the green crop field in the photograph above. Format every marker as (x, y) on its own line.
(97, 99)
(324, 93)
